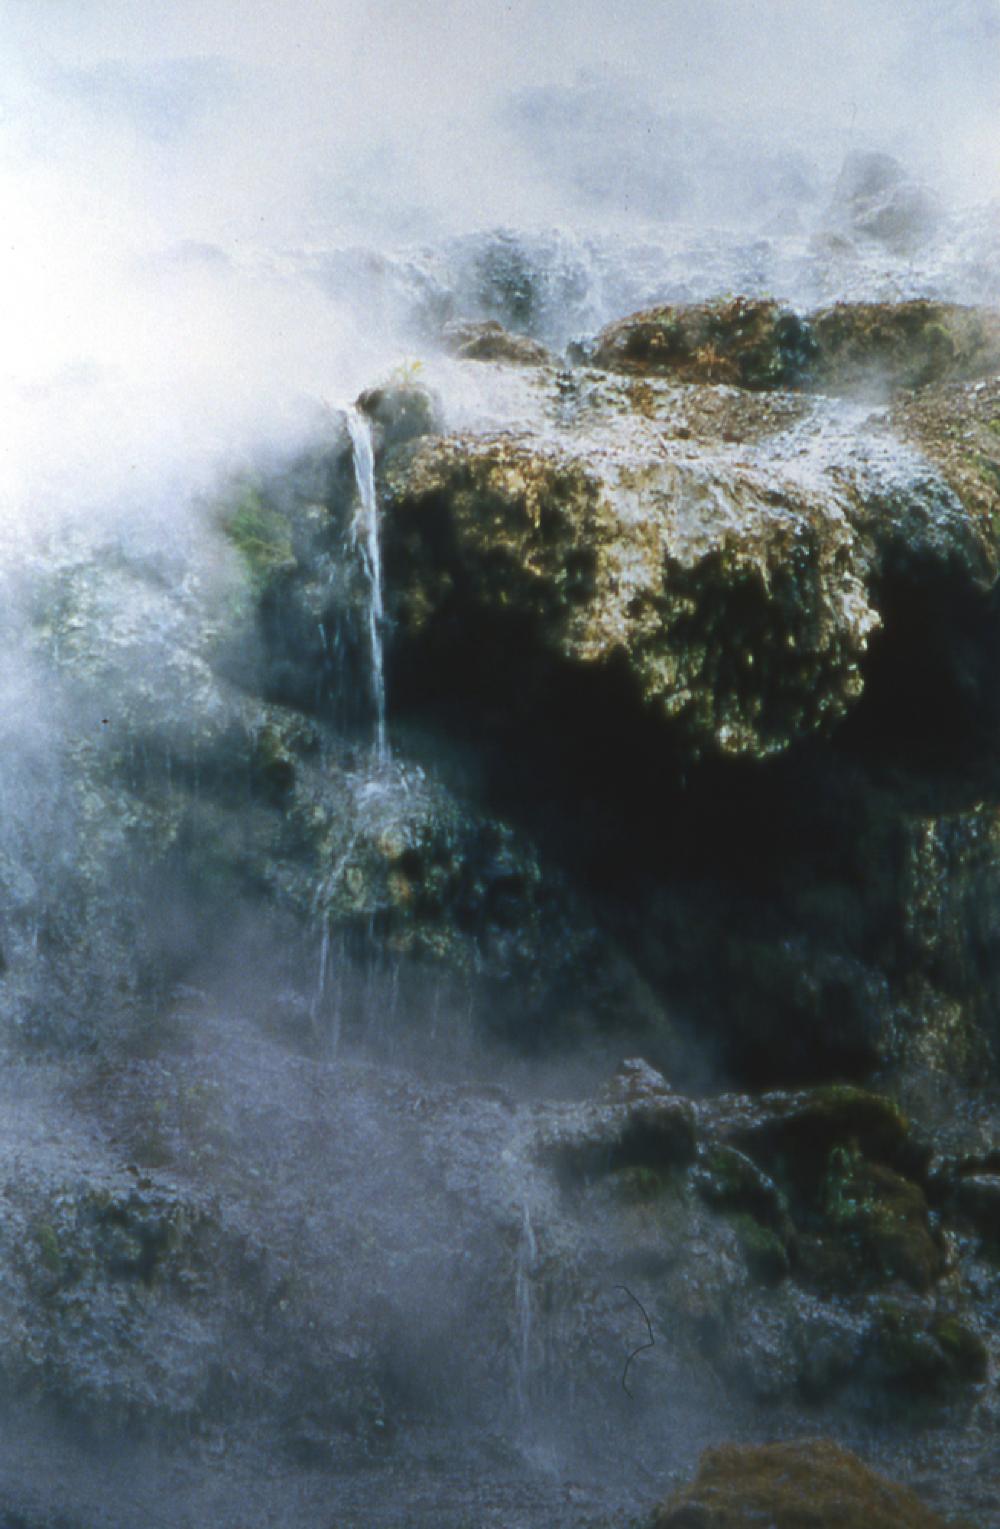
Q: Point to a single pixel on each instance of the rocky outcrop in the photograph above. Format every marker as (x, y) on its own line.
(758, 1218)
(731, 572)
(656, 581)
(808, 1484)
(217, 780)
(882, 347)
(869, 349)
(730, 600)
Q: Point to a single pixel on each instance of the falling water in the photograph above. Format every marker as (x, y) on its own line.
(527, 1251)
(366, 535)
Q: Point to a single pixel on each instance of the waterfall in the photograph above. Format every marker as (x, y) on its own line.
(527, 1252)
(366, 536)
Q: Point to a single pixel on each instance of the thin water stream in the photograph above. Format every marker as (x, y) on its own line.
(366, 536)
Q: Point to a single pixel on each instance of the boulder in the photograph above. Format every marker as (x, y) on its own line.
(731, 602)
(400, 411)
(877, 202)
(747, 342)
(879, 348)
(851, 348)
(803, 1484)
(488, 340)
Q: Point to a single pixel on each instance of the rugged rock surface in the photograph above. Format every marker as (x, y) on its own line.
(218, 804)
(850, 348)
(751, 343)
(625, 568)
(692, 692)
(729, 596)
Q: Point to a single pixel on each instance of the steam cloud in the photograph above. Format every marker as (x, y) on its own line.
(162, 166)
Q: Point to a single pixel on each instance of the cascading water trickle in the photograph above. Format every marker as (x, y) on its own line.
(366, 536)
(527, 1252)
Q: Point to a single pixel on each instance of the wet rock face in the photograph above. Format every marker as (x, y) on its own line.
(749, 343)
(732, 606)
(659, 582)
(717, 668)
(785, 1239)
(678, 632)
(802, 1485)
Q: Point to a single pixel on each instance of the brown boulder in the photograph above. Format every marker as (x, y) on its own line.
(747, 342)
(848, 348)
(804, 1484)
(488, 340)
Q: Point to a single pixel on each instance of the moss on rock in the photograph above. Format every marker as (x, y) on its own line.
(923, 1354)
(764, 1251)
(728, 600)
(808, 1484)
(749, 342)
(847, 348)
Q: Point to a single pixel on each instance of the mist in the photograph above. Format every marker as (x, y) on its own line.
(165, 174)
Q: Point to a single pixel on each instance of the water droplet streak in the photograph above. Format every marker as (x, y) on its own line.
(366, 537)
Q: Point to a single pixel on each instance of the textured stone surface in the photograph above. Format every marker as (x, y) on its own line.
(849, 348)
(732, 600)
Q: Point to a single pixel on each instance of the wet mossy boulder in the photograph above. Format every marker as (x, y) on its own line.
(868, 1227)
(798, 1128)
(850, 1220)
(849, 348)
(747, 342)
(729, 601)
(925, 1355)
(807, 1484)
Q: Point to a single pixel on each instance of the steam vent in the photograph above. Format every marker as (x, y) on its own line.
(500, 769)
